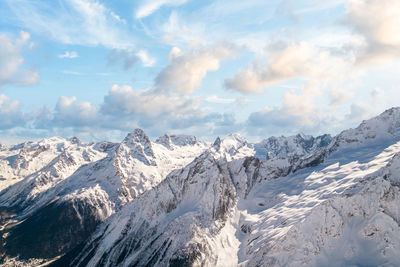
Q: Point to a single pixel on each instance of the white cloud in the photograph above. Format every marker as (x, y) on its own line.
(186, 70)
(68, 54)
(298, 113)
(78, 22)
(124, 109)
(125, 100)
(150, 6)
(70, 112)
(71, 72)
(339, 96)
(147, 60)
(179, 30)
(129, 57)
(376, 102)
(10, 113)
(286, 62)
(219, 100)
(11, 60)
(378, 21)
(302, 106)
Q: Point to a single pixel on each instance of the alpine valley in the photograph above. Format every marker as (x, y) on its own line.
(285, 201)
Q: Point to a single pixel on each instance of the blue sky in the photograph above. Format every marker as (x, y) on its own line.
(99, 69)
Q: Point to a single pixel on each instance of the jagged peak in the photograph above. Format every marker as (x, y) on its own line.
(53, 139)
(232, 140)
(105, 146)
(295, 145)
(176, 139)
(137, 135)
(230, 144)
(235, 137)
(3, 146)
(138, 145)
(217, 142)
(75, 140)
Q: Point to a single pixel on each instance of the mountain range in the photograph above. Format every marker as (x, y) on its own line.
(177, 201)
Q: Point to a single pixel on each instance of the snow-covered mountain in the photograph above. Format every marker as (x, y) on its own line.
(79, 186)
(285, 201)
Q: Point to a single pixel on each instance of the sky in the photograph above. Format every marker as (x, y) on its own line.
(99, 69)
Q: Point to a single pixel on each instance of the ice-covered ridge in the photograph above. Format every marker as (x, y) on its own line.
(172, 140)
(292, 146)
(20, 161)
(385, 127)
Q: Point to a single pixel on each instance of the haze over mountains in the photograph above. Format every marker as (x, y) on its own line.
(177, 201)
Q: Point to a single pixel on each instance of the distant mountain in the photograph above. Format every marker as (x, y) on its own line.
(285, 201)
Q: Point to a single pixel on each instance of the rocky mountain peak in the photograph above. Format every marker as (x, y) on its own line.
(75, 140)
(170, 140)
(217, 142)
(2, 147)
(232, 145)
(137, 145)
(292, 146)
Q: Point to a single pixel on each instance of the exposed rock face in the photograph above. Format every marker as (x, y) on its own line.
(53, 230)
(286, 201)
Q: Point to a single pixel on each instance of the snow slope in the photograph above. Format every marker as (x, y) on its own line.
(312, 216)
(19, 161)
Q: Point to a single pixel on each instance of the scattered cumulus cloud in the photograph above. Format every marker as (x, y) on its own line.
(12, 60)
(285, 62)
(378, 21)
(186, 70)
(324, 59)
(69, 54)
(299, 112)
(10, 113)
(129, 57)
(70, 112)
(125, 108)
(339, 96)
(147, 60)
(124, 100)
(374, 103)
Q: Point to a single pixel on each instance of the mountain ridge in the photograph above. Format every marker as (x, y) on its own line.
(179, 201)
